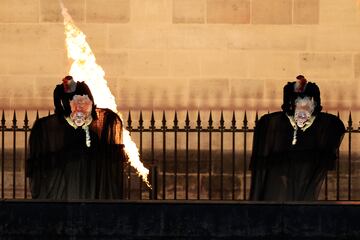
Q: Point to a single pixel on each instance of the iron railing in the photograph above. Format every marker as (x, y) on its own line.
(185, 170)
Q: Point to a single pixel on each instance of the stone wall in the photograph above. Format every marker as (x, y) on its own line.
(185, 54)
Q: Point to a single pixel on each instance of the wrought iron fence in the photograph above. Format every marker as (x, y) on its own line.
(197, 165)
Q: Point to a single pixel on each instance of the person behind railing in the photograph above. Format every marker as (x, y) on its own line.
(294, 149)
(76, 153)
(63, 93)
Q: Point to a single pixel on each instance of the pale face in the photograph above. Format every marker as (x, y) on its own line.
(304, 107)
(78, 118)
(80, 109)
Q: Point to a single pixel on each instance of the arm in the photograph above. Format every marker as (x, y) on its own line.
(59, 109)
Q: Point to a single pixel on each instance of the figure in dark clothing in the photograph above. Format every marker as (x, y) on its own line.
(294, 149)
(64, 93)
(74, 155)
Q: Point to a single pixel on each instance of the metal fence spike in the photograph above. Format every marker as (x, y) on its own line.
(210, 121)
(222, 121)
(245, 121)
(129, 121)
(350, 122)
(187, 121)
(152, 121)
(163, 121)
(26, 120)
(3, 119)
(233, 121)
(141, 121)
(198, 121)
(14, 120)
(176, 122)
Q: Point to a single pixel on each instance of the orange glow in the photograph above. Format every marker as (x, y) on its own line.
(84, 68)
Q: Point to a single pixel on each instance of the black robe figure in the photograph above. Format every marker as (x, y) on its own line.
(289, 163)
(66, 162)
(62, 96)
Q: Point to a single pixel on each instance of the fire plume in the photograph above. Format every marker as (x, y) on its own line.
(84, 68)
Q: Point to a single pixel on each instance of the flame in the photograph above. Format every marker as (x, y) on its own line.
(84, 68)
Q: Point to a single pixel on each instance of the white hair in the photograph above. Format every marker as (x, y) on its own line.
(81, 103)
(307, 102)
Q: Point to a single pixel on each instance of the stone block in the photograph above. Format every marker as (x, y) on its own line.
(334, 12)
(247, 88)
(269, 37)
(202, 186)
(334, 39)
(114, 64)
(96, 35)
(224, 64)
(228, 11)
(112, 11)
(50, 11)
(4, 103)
(40, 63)
(31, 38)
(153, 93)
(44, 85)
(194, 165)
(274, 91)
(138, 36)
(9, 184)
(198, 37)
(357, 65)
(209, 93)
(4, 64)
(326, 65)
(17, 38)
(189, 11)
(147, 63)
(209, 87)
(150, 11)
(19, 11)
(17, 86)
(184, 63)
(337, 90)
(216, 187)
(19, 157)
(273, 65)
(306, 12)
(31, 103)
(271, 12)
(55, 37)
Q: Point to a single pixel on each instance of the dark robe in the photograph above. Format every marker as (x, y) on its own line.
(285, 172)
(62, 167)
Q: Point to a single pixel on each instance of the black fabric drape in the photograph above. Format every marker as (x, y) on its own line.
(62, 167)
(285, 172)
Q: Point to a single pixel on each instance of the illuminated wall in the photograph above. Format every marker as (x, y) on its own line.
(185, 54)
